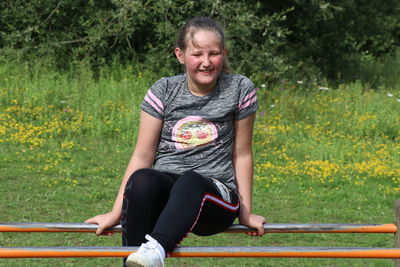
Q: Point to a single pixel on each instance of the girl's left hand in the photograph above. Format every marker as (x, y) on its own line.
(254, 221)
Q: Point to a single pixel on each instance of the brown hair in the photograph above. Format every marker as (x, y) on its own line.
(201, 23)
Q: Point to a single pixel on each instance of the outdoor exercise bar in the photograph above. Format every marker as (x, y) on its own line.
(267, 252)
(270, 228)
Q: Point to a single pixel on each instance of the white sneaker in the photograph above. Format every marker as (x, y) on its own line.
(149, 254)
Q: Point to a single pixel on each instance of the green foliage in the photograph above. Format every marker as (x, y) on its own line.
(138, 30)
(333, 35)
(268, 40)
(65, 140)
(380, 72)
(49, 26)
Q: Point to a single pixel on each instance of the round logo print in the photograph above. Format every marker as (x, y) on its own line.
(193, 131)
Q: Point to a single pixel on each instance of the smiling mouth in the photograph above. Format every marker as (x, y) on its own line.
(205, 71)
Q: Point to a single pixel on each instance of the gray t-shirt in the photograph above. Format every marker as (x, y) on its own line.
(198, 131)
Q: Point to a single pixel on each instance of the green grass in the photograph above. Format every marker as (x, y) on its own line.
(321, 156)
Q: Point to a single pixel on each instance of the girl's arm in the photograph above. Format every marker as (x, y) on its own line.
(142, 157)
(243, 164)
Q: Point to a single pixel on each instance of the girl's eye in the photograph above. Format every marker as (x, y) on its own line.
(215, 53)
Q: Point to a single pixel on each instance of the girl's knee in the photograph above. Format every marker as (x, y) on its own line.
(192, 179)
(138, 180)
(191, 176)
(140, 174)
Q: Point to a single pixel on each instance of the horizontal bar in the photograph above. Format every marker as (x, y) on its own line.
(267, 252)
(236, 228)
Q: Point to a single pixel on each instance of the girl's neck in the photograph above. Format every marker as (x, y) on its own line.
(200, 90)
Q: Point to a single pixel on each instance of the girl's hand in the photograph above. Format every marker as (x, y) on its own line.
(104, 221)
(253, 221)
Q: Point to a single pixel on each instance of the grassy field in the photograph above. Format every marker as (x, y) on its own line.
(323, 155)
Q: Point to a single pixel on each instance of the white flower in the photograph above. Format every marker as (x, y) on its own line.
(272, 106)
(389, 95)
(300, 82)
(323, 88)
(263, 85)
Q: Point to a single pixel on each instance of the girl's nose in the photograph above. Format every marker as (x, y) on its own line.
(206, 61)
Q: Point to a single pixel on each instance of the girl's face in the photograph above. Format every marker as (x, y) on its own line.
(203, 59)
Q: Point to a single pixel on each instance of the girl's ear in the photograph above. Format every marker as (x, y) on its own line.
(225, 51)
(180, 55)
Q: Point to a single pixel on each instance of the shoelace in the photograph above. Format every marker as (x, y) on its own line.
(151, 246)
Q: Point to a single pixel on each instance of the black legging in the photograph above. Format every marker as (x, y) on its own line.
(169, 206)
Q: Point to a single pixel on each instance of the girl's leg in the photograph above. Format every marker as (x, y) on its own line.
(146, 194)
(196, 204)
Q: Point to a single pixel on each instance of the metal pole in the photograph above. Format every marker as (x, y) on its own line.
(268, 252)
(397, 237)
(270, 228)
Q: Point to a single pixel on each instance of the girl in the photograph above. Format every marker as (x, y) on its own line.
(192, 167)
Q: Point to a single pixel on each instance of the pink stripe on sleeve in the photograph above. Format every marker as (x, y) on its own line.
(249, 96)
(248, 100)
(155, 99)
(248, 103)
(148, 100)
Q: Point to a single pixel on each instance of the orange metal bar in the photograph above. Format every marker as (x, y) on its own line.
(323, 228)
(60, 253)
(38, 229)
(267, 252)
(269, 228)
(372, 253)
(383, 228)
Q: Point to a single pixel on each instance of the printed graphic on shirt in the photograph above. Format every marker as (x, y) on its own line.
(193, 131)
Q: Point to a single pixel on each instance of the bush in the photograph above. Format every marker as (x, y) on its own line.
(334, 35)
(268, 40)
(138, 30)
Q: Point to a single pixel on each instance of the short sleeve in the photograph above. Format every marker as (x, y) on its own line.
(248, 103)
(153, 102)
